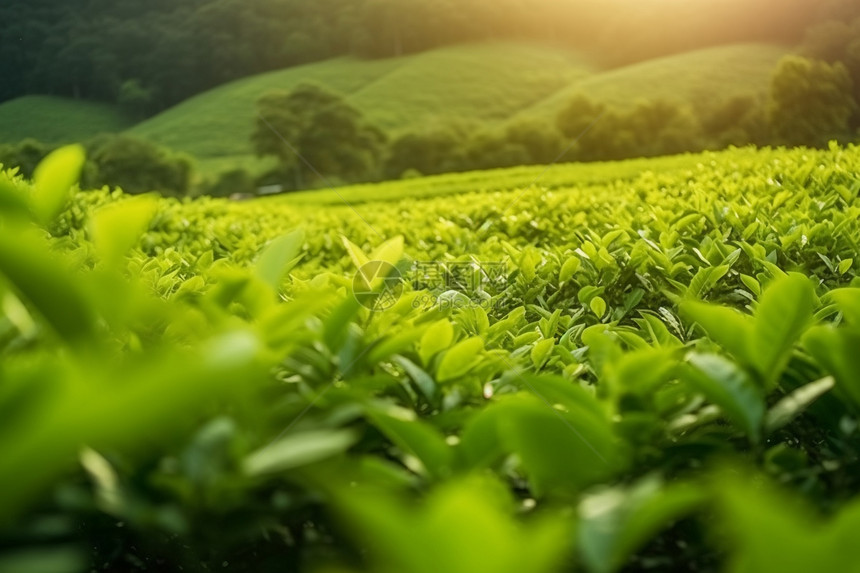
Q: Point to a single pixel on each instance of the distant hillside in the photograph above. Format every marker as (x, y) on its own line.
(82, 48)
(57, 120)
(700, 78)
(472, 83)
(219, 122)
(480, 83)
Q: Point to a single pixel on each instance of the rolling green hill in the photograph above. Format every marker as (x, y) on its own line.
(219, 122)
(473, 84)
(700, 78)
(57, 120)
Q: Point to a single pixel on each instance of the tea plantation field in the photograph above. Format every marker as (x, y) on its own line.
(642, 366)
(465, 87)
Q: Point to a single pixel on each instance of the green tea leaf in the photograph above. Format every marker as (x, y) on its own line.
(541, 352)
(417, 438)
(390, 251)
(117, 227)
(36, 274)
(279, 257)
(598, 307)
(705, 279)
(616, 522)
(836, 350)
(730, 388)
(421, 378)
(436, 339)
(848, 301)
(53, 180)
(793, 405)
(359, 259)
(752, 284)
(569, 268)
(784, 313)
(771, 531)
(727, 327)
(451, 531)
(561, 451)
(459, 359)
(297, 450)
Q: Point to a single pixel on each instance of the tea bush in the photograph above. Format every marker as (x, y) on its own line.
(664, 376)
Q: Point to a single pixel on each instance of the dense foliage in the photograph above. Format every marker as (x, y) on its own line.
(311, 130)
(665, 378)
(809, 103)
(837, 41)
(318, 137)
(150, 55)
(135, 165)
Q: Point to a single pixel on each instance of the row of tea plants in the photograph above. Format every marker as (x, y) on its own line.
(666, 378)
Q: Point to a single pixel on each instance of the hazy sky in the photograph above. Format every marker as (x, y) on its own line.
(655, 27)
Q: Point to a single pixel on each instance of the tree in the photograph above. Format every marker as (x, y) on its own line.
(429, 152)
(836, 41)
(234, 182)
(578, 115)
(312, 129)
(650, 128)
(136, 166)
(134, 99)
(736, 121)
(177, 49)
(25, 156)
(664, 127)
(810, 101)
(491, 149)
(542, 141)
(611, 137)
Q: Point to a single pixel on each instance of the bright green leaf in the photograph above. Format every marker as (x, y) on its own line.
(783, 314)
(459, 359)
(53, 180)
(436, 339)
(279, 256)
(569, 268)
(541, 352)
(117, 227)
(297, 450)
(793, 405)
(615, 522)
(598, 307)
(727, 327)
(727, 386)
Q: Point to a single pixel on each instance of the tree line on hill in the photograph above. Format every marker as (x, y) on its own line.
(318, 138)
(836, 41)
(312, 130)
(147, 56)
(135, 165)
